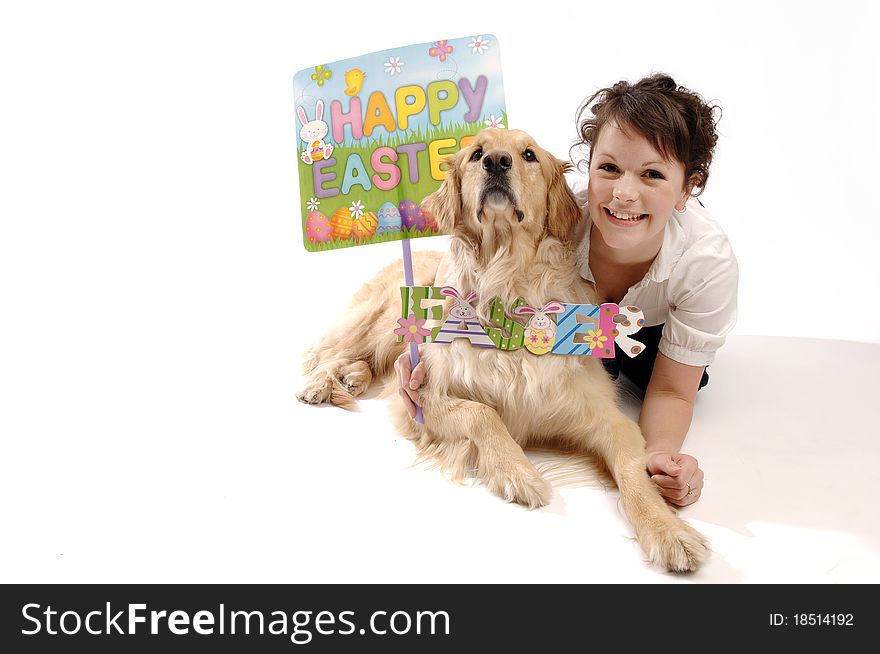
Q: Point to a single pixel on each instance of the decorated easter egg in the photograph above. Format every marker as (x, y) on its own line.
(409, 214)
(318, 228)
(427, 221)
(341, 223)
(317, 151)
(365, 226)
(389, 218)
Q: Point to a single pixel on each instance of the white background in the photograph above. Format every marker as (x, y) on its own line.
(155, 295)
(149, 146)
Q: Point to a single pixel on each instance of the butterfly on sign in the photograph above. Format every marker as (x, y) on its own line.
(440, 49)
(321, 74)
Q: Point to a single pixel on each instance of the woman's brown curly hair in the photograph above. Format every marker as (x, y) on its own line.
(676, 121)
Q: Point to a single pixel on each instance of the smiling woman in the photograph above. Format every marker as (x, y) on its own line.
(649, 242)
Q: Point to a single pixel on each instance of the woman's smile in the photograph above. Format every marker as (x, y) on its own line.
(624, 218)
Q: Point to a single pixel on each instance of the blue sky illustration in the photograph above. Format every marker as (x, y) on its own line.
(419, 68)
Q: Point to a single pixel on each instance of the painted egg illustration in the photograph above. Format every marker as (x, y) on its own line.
(409, 214)
(365, 226)
(427, 220)
(318, 228)
(341, 223)
(317, 151)
(389, 218)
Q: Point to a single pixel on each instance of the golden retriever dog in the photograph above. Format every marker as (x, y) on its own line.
(509, 212)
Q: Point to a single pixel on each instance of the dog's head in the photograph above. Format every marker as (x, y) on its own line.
(504, 187)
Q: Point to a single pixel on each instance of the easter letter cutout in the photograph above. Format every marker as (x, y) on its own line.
(571, 333)
(632, 321)
(505, 332)
(426, 303)
(462, 321)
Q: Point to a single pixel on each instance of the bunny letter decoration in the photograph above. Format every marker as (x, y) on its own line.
(462, 321)
(541, 330)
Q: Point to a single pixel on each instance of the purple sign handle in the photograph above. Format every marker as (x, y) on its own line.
(413, 347)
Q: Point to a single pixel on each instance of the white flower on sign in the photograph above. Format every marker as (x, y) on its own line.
(493, 122)
(479, 45)
(312, 204)
(393, 65)
(357, 208)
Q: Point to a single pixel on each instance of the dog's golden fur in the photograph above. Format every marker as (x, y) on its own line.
(509, 217)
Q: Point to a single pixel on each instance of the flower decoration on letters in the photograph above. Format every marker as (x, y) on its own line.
(412, 329)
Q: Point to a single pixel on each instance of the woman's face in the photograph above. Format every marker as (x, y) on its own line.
(632, 190)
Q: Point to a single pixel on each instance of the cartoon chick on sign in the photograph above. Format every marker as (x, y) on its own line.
(354, 78)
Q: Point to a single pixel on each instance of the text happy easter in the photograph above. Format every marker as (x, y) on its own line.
(383, 165)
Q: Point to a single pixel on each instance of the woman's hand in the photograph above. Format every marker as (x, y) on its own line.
(678, 476)
(409, 381)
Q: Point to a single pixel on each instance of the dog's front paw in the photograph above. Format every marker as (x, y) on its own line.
(678, 547)
(519, 482)
(317, 390)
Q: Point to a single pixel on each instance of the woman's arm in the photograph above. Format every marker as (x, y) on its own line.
(666, 416)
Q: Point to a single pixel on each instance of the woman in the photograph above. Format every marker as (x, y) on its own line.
(646, 240)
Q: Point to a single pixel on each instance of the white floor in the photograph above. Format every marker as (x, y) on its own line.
(245, 484)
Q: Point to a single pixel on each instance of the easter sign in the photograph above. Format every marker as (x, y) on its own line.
(373, 131)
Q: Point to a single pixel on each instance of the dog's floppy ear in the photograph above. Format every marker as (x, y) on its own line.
(445, 203)
(563, 212)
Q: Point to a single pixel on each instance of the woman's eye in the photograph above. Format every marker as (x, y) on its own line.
(608, 168)
(529, 155)
(653, 174)
(477, 155)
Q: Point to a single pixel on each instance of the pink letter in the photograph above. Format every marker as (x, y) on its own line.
(381, 167)
(353, 118)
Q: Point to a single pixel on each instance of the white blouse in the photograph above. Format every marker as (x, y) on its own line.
(690, 288)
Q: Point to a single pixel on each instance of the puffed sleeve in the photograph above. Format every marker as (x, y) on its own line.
(702, 295)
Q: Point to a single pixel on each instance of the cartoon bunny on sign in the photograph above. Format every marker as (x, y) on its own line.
(312, 133)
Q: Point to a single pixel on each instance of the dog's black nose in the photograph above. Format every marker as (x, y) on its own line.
(497, 162)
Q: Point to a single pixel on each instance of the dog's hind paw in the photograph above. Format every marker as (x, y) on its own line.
(356, 377)
(317, 391)
(324, 388)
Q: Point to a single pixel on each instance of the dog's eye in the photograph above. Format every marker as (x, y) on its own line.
(529, 155)
(477, 155)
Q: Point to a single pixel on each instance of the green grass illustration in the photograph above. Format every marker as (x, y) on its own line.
(373, 198)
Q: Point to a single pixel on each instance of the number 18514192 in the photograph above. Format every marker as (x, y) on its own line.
(811, 620)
